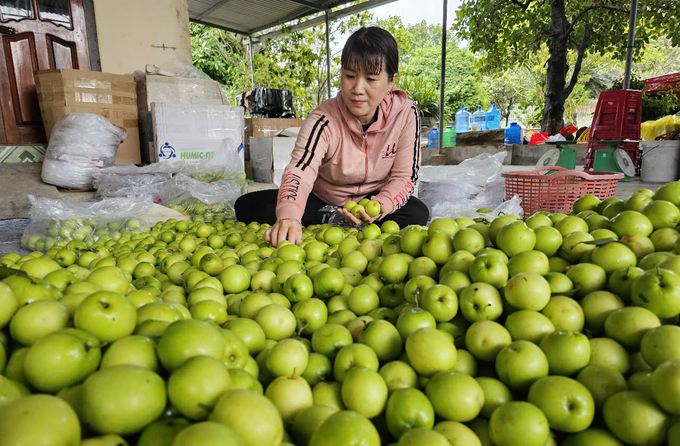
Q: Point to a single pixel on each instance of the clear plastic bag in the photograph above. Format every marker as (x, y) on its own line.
(54, 221)
(198, 200)
(81, 143)
(178, 68)
(451, 210)
(475, 183)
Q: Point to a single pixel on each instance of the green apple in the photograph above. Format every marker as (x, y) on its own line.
(520, 364)
(639, 244)
(519, 422)
(635, 418)
(662, 214)
(575, 247)
(495, 394)
(135, 350)
(355, 260)
(235, 279)
(455, 396)
(364, 391)
(290, 395)
(413, 319)
(597, 306)
(609, 353)
(567, 352)
(485, 339)
(61, 359)
(329, 282)
(207, 433)
(139, 390)
(516, 237)
(469, 240)
(328, 394)
(637, 201)
(664, 239)
(455, 280)
(587, 277)
(250, 415)
(345, 427)
(559, 283)
(362, 299)
(445, 225)
(399, 375)
(659, 291)
(489, 269)
(664, 386)
(457, 433)
(660, 344)
(430, 351)
(308, 420)
(195, 386)
(35, 320)
(601, 382)
(393, 269)
(438, 246)
(107, 315)
(383, 338)
(289, 357)
(628, 325)
(621, 282)
(528, 291)
(528, 325)
(498, 223)
(592, 437)
(187, 338)
(440, 301)
(668, 192)
(419, 435)
(586, 203)
(539, 220)
(330, 338)
(412, 239)
(278, 322)
(613, 256)
(8, 304)
(240, 379)
(39, 420)
(310, 315)
(109, 278)
(548, 240)
(480, 301)
(11, 390)
(566, 403)
(319, 368)
(631, 222)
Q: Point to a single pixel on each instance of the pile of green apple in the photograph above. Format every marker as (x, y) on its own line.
(198, 211)
(81, 231)
(559, 330)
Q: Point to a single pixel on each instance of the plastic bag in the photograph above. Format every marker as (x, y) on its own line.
(451, 210)
(178, 68)
(81, 143)
(54, 221)
(198, 200)
(650, 130)
(474, 183)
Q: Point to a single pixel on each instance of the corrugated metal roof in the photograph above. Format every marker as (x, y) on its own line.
(251, 16)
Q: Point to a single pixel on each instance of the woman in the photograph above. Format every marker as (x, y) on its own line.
(364, 143)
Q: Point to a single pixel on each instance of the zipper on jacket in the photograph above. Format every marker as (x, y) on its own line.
(363, 148)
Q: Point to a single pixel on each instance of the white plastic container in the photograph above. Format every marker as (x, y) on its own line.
(660, 161)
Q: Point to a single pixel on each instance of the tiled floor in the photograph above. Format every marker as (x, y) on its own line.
(22, 154)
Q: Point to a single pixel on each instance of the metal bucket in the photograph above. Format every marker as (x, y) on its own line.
(660, 161)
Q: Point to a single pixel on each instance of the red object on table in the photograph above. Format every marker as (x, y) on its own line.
(558, 191)
(618, 117)
(570, 129)
(538, 138)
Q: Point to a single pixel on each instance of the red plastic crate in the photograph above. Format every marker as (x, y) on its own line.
(618, 116)
(558, 191)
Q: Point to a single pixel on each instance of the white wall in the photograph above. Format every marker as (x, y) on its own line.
(128, 30)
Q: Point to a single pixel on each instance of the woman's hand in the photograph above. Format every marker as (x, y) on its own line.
(286, 229)
(365, 218)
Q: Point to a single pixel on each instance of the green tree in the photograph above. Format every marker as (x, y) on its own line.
(512, 30)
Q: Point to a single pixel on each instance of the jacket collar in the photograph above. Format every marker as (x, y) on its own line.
(389, 108)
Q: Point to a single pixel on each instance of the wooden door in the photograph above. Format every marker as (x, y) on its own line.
(35, 35)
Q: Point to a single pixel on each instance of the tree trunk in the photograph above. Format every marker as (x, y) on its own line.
(553, 111)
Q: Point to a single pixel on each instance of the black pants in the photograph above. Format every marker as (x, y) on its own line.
(260, 206)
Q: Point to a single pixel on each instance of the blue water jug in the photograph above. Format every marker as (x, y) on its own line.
(462, 121)
(513, 134)
(479, 120)
(493, 118)
(433, 137)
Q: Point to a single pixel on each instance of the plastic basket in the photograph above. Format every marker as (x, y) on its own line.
(557, 191)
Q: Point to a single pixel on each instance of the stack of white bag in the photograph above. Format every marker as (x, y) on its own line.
(81, 144)
(460, 190)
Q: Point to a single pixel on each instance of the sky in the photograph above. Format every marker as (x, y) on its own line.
(414, 11)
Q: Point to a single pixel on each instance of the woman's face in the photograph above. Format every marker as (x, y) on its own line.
(363, 92)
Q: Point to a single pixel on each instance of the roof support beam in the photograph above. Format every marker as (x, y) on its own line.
(339, 13)
(223, 27)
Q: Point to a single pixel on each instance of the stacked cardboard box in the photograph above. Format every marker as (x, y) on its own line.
(62, 92)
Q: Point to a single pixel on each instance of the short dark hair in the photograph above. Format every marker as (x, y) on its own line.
(371, 49)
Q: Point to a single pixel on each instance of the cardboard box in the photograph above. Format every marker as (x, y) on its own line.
(194, 132)
(269, 157)
(164, 89)
(267, 127)
(62, 92)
